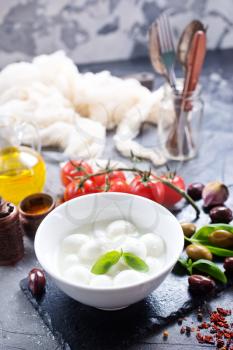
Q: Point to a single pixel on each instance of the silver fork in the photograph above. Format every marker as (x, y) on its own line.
(167, 47)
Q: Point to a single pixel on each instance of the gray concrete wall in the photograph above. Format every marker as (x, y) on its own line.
(101, 30)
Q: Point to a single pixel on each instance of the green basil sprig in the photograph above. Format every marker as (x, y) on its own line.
(206, 266)
(135, 262)
(202, 237)
(211, 268)
(107, 260)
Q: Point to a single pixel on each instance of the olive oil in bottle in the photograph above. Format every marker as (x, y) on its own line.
(22, 172)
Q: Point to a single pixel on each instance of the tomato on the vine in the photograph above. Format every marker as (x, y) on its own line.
(171, 197)
(100, 180)
(72, 189)
(119, 185)
(149, 187)
(74, 168)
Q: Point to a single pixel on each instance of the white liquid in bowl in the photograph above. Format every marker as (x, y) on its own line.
(82, 248)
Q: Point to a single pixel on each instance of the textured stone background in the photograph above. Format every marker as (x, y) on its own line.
(101, 30)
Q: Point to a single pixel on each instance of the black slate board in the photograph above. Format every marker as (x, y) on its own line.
(77, 326)
(81, 327)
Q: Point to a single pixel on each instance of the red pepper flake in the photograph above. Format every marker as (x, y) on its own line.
(208, 339)
(200, 337)
(218, 332)
(223, 312)
(204, 325)
(227, 335)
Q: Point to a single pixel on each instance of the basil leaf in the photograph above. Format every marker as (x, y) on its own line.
(135, 262)
(187, 264)
(219, 251)
(103, 264)
(183, 262)
(203, 233)
(211, 269)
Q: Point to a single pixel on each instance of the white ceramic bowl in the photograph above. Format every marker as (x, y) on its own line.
(142, 212)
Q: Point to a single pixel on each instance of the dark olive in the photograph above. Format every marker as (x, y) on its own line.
(194, 190)
(36, 282)
(188, 228)
(228, 264)
(221, 238)
(199, 284)
(221, 214)
(198, 251)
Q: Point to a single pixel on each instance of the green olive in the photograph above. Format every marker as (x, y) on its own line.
(188, 228)
(221, 238)
(197, 251)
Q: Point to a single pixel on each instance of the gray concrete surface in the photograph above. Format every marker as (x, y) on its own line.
(20, 326)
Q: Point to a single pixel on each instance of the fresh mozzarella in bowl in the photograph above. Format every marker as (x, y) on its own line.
(69, 261)
(153, 243)
(128, 277)
(120, 227)
(73, 243)
(79, 251)
(77, 274)
(90, 251)
(134, 246)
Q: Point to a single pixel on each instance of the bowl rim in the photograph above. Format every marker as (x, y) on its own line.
(163, 271)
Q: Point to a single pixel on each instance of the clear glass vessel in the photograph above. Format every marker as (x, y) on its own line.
(179, 123)
(22, 168)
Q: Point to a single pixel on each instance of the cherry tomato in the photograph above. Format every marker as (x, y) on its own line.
(148, 187)
(101, 179)
(171, 197)
(119, 185)
(72, 190)
(73, 169)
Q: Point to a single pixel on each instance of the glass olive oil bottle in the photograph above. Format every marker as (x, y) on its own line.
(22, 172)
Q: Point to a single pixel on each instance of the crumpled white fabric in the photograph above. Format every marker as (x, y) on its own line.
(73, 110)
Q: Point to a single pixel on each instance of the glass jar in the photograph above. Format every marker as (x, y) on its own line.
(179, 123)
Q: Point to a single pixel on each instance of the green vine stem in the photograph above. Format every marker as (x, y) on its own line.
(109, 170)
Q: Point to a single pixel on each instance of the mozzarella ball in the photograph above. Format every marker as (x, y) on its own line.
(118, 242)
(127, 277)
(90, 251)
(69, 260)
(115, 269)
(100, 235)
(73, 243)
(155, 265)
(77, 274)
(134, 246)
(101, 281)
(154, 244)
(120, 227)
